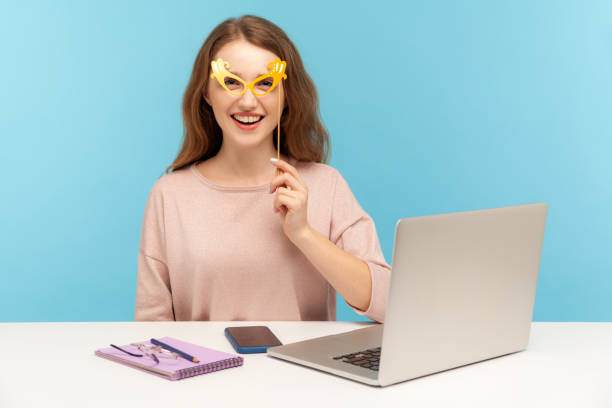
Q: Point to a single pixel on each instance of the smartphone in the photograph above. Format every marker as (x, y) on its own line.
(251, 339)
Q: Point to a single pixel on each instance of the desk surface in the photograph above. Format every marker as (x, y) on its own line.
(53, 364)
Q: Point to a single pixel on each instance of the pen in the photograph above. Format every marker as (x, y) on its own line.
(179, 352)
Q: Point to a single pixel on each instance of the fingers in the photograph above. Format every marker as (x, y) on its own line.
(285, 191)
(291, 191)
(287, 168)
(287, 180)
(289, 199)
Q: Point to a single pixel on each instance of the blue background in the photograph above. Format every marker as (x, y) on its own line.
(432, 107)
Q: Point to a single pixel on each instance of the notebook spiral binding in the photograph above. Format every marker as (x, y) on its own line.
(209, 368)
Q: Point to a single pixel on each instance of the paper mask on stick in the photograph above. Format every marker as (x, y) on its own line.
(260, 86)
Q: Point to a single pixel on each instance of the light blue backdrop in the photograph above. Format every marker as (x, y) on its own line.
(433, 107)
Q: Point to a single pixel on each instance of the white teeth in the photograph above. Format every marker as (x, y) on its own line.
(247, 119)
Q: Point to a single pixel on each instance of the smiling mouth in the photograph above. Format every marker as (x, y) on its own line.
(247, 120)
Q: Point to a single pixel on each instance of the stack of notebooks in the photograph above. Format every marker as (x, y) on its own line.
(174, 369)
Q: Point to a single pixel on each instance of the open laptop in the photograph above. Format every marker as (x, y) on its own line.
(462, 290)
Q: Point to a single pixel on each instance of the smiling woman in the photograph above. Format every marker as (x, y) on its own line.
(245, 227)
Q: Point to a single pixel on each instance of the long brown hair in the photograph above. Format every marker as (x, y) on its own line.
(303, 135)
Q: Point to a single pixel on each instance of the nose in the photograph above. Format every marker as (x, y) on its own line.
(248, 101)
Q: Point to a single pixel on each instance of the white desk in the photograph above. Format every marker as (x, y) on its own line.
(53, 365)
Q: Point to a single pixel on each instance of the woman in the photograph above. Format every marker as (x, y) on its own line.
(239, 230)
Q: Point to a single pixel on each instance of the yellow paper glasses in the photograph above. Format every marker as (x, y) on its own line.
(238, 86)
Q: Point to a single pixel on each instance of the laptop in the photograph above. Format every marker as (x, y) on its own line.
(462, 291)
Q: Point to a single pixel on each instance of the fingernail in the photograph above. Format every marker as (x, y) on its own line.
(273, 159)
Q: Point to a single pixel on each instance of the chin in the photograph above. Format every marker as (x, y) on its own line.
(245, 139)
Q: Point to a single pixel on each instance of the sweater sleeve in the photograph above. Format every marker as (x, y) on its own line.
(153, 290)
(353, 230)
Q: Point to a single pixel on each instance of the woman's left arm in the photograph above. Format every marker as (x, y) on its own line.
(349, 275)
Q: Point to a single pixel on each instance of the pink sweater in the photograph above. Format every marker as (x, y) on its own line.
(211, 252)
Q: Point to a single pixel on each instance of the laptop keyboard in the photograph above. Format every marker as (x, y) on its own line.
(366, 358)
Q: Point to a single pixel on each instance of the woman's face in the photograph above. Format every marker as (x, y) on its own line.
(245, 120)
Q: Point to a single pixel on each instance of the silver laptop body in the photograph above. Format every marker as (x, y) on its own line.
(462, 290)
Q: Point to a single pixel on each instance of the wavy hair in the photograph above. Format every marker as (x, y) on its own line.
(303, 135)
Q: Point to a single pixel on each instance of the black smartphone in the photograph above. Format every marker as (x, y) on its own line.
(251, 339)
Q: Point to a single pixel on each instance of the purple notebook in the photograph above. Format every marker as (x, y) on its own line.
(170, 368)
